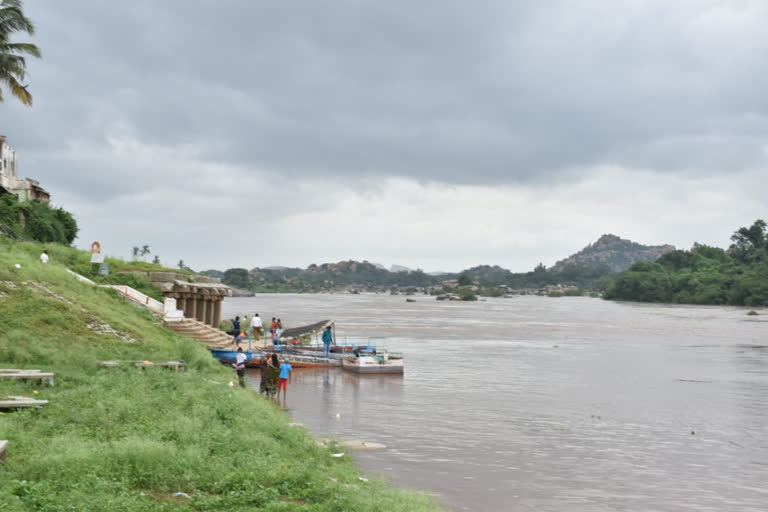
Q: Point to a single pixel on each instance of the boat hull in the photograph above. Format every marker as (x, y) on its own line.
(254, 358)
(370, 366)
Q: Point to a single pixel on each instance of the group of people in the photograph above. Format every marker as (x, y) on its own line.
(275, 375)
(254, 329)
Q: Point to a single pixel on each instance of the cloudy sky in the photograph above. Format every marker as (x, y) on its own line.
(432, 134)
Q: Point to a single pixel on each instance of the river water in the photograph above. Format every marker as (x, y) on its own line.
(538, 403)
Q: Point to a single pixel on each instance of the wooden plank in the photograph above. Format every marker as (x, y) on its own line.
(178, 366)
(45, 377)
(17, 370)
(3, 451)
(21, 401)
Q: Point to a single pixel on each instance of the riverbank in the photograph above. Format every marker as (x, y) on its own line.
(129, 439)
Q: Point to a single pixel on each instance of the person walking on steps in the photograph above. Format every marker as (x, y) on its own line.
(327, 340)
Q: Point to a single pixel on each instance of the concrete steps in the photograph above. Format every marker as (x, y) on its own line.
(202, 332)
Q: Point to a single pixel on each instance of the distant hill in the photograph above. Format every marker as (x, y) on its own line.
(616, 253)
(586, 269)
(488, 275)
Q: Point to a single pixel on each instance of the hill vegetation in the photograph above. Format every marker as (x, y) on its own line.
(703, 274)
(587, 269)
(35, 220)
(617, 254)
(127, 439)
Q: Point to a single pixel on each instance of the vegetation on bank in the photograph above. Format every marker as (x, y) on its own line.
(127, 439)
(35, 220)
(702, 275)
(346, 274)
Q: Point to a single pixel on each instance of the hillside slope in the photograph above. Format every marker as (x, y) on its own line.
(614, 252)
(128, 439)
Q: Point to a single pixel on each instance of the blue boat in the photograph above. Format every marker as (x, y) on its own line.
(225, 355)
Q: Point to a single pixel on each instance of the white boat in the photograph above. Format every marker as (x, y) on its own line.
(374, 364)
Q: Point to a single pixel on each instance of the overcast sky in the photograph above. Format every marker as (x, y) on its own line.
(432, 134)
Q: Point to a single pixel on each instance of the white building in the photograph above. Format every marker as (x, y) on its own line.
(24, 188)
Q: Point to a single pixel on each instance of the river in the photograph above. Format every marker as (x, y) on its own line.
(537, 403)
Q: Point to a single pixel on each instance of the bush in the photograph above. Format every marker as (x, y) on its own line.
(34, 220)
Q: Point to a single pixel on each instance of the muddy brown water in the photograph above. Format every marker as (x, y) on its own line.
(536, 403)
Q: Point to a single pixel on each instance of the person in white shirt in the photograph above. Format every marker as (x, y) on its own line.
(239, 366)
(44, 257)
(256, 326)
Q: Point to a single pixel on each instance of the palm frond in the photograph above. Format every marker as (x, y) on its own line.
(13, 65)
(19, 48)
(18, 90)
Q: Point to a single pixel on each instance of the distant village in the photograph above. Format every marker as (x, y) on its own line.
(26, 189)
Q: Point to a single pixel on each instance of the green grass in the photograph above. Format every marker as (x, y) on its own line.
(127, 439)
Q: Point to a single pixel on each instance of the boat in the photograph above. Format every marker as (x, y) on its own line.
(228, 356)
(375, 363)
(297, 358)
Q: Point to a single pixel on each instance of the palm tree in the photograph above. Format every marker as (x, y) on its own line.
(13, 65)
(135, 252)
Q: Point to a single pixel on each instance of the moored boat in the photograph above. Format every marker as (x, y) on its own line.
(379, 363)
(252, 357)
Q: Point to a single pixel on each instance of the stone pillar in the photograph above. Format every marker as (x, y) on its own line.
(181, 303)
(191, 310)
(217, 313)
(202, 309)
(210, 306)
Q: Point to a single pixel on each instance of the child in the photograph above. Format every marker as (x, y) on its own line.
(285, 377)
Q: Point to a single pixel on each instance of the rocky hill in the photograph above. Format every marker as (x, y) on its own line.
(616, 253)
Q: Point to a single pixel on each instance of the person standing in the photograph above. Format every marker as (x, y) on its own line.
(327, 340)
(285, 378)
(256, 326)
(236, 330)
(273, 375)
(279, 329)
(44, 257)
(239, 366)
(264, 374)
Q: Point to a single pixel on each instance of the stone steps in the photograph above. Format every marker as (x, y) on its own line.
(202, 332)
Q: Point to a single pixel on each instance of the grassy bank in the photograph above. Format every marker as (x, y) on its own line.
(128, 440)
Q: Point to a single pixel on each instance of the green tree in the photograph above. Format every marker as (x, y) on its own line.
(237, 277)
(156, 260)
(749, 244)
(13, 64)
(540, 268)
(465, 280)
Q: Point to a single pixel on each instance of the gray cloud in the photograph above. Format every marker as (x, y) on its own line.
(148, 108)
(458, 92)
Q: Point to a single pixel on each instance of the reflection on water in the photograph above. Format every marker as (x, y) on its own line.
(547, 404)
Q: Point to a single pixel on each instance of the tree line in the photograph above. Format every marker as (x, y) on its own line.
(702, 275)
